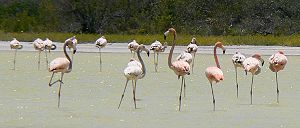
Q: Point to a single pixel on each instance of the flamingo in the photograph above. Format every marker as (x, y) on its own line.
(15, 44)
(72, 40)
(157, 47)
(252, 64)
(192, 48)
(215, 74)
(180, 68)
(277, 62)
(48, 46)
(39, 45)
(100, 43)
(185, 56)
(237, 60)
(63, 65)
(132, 46)
(135, 70)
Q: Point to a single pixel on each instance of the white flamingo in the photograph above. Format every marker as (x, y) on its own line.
(237, 60)
(132, 46)
(100, 43)
(252, 64)
(135, 70)
(63, 65)
(157, 48)
(15, 44)
(39, 45)
(192, 48)
(48, 46)
(185, 56)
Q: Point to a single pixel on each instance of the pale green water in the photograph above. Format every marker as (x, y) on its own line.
(90, 98)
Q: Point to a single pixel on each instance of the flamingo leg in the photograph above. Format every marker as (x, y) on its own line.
(193, 62)
(182, 79)
(213, 96)
(46, 58)
(59, 89)
(237, 85)
(39, 61)
(184, 86)
(50, 84)
(15, 59)
(277, 88)
(251, 91)
(100, 60)
(134, 90)
(154, 61)
(123, 93)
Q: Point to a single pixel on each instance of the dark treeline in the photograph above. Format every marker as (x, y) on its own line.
(201, 17)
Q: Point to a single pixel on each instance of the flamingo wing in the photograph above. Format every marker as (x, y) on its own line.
(59, 65)
(214, 74)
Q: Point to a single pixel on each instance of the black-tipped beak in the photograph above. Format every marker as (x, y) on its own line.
(148, 53)
(74, 51)
(224, 51)
(165, 37)
(262, 63)
(246, 72)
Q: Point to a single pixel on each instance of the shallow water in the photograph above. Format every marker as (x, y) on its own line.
(90, 98)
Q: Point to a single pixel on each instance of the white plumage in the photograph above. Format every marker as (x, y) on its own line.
(185, 56)
(101, 42)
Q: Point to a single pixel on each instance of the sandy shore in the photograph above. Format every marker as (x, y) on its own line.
(122, 48)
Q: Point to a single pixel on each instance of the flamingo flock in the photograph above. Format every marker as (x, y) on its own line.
(181, 66)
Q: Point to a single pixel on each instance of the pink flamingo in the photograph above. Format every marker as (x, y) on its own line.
(63, 65)
(215, 74)
(252, 64)
(15, 44)
(181, 68)
(277, 62)
(237, 60)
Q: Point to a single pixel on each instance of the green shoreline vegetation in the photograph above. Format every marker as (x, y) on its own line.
(182, 39)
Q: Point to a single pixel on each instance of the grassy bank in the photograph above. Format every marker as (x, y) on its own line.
(293, 40)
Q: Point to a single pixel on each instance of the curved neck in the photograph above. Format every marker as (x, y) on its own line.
(142, 62)
(67, 56)
(216, 57)
(171, 51)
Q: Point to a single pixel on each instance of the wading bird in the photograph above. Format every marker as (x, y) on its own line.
(48, 46)
(277, 62)
(215, 74)
(180, 68)
(157, 48)
(192, 48)
(63, 65)
(100, 43)
(15, 44)
(185, 56)
(39, 45)
(237, 60)
(132, 46)
(135, 70)
(252, 64)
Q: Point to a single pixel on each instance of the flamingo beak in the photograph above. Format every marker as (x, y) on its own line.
(224, 51)
(262, 62)
(148, 53)
(74, 51)
(246, 72)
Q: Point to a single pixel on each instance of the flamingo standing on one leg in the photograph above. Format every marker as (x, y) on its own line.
(63, 65)
(72, 40)
(237, 60)
(157, 48)
(135, 70)
(132, 46)
(15, 44)
(215, 74)
(192, 48)
(48, 46)
(252, 64)
(39, 45)
(100, 43)
(180, 68)
(277, 62)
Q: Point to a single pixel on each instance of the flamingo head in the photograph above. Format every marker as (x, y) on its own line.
(194, 41)
(143, 48)
(258, 56)
(220, 45)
